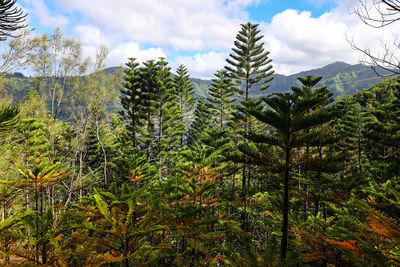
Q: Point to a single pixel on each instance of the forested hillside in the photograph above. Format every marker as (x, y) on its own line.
(342, 79)
(146, 168)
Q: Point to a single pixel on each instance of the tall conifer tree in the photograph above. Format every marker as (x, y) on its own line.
(249, 67)
(184, 90)
(291, 115)
(221, 98)
(148, 79)
(200, 123)
(132, 99)
(167, 116)
(249, 64)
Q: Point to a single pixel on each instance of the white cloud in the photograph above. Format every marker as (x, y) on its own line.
(195, 25)
(122, 52)
(297, 41)
(91, 35)
(39, 9)
(203, 65)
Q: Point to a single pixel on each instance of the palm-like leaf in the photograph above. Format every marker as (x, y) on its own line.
(8, 117)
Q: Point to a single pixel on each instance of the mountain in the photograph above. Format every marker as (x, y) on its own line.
(341, 78)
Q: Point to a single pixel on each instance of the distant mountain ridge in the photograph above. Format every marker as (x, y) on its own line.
(341, 78)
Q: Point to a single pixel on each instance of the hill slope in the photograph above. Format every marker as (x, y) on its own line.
(340, 78)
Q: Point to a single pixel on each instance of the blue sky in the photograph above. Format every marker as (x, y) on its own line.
(300, 34)
(265, 10)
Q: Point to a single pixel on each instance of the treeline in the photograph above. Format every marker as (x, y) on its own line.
(284, 179)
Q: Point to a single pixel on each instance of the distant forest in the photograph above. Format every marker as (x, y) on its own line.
(143, 166)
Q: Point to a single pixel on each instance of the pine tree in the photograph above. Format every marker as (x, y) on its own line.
(32, 136)
(167, 119)
(200, 123)
(249, 67)
(249, 64)
(120, 222)
(12, 18)
(221, 98)
(314, 148)
(290, 115)
(382, 104)
(184, 90)
(8, 117)
(384, 141)
(352, 126)
(132, 99)
(148, 79)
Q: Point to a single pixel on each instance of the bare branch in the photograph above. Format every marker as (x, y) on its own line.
(378, 14)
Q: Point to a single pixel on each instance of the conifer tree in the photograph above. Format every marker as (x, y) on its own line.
(8, 117)
(132, 99)
(184, 90)
(249, 67)
(32, 136)
(249, 64)
(200, 123)
(384, 141)
(290, 115)
(221, 98)
(148, 80)
(167, 118)
(381, 131)
(314, 147)
(11, 18)
(352, 126)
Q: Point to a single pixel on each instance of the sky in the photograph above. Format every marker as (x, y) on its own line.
(299, 34)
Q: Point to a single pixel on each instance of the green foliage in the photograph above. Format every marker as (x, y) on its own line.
(132, 98)
(284, 179)
(249, 63)
(8, 118)
(291, 114)
(221, 98)
(200, 123)
(184, 89)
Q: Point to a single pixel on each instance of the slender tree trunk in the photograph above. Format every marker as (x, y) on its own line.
(182, 113)
(37, 222)
(133, 129)
(103, 149)
(359, 155)
(44, 255)
(221, 118)
(80, 174)
(244, 188)
(285, 223)
(149, 131)
(246, 179)
(4, 215)
(160, 129)
(126, 261)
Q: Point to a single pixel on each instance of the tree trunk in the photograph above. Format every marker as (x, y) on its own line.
(80, 174)
(102, 149)
(285, 224)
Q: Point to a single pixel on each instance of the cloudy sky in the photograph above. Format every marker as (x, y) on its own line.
(300, 34)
